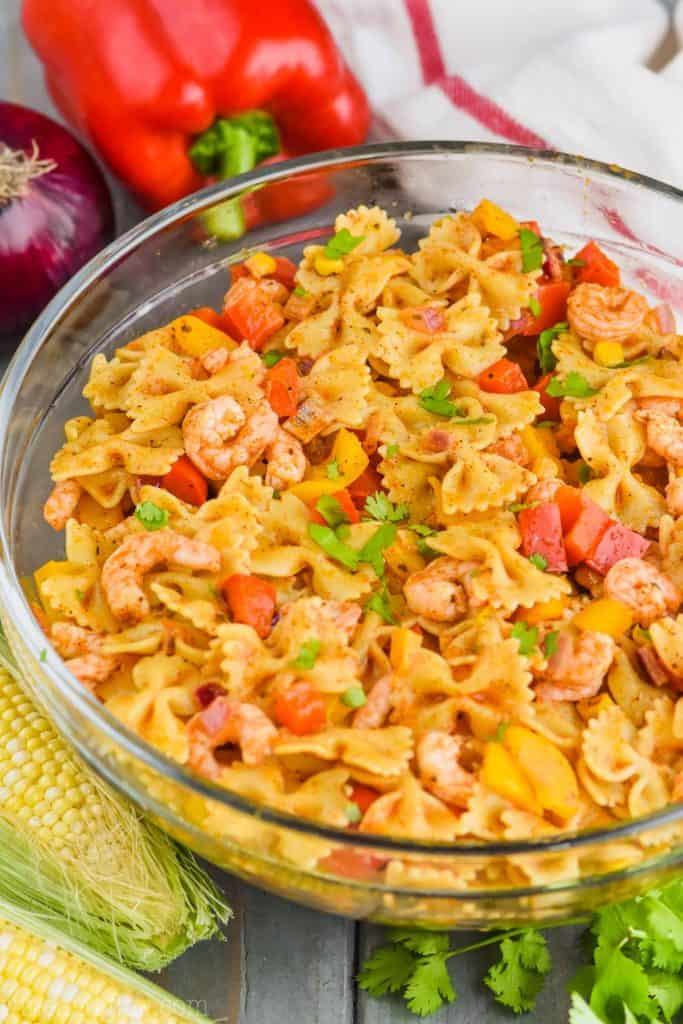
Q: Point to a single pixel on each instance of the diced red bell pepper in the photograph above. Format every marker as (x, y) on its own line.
(583, 523)
(541, 530)
(617, 542)
(301, 709)
(597, 267)
(364, 485)
(503, 378)
(347, 506)
(551, 404)
(282, 387)
(238, 270)
(248, 313)
(186, 482)
(285, 271)
(364, 796)
(552, 298)
(350, 863)
(426, 319)
(251, 601)
(209, 316)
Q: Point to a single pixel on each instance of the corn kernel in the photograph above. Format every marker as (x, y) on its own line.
(261, 264)
(606, 615)
(490, 219)
(325, 266)
(608, 353)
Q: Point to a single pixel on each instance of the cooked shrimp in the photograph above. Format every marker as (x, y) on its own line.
(214, 361)
(647, 591)
(435, 592)
(219, 436)
(438, 764)
(598, 314)
(664, 435)
(226, 720)
(674, 496)
(139, 553)
(61, 504)
(577, 668)
(286, 461)
(511, 447)
(375, 711)
(668, 406)
(82, 652)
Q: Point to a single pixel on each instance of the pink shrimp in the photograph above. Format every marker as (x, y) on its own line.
(438, 762)
(664, 435)
(82, 652)
(219, 435)
(647, 591)
(226, 720)
(435, 592)
(375, 711)
(597, 313)
(139, 553)
(577, 668)
(286, 461)
(61, 504)
(214, 361)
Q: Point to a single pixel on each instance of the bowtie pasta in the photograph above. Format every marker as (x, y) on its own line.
(394, 540)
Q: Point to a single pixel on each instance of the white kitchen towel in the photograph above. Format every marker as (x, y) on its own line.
(571, 76)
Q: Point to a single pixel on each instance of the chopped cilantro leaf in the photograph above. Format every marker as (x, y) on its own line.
(381, 604)
(550, 643)
(371, 552)
(526, 637)
(343, 531)
(535, 306)
(539, 561)
(392, 451)
(574, 385)
(272, 357)
(342, 244)
(151, 516)
(584, 473)
(300, 292)
(80, 596)
(332, 470)
(354, 697)
(436, 400)
(353, 813)
(43, 654)
(277, 495)
(307, 656)
(641, 635)
(422, 530)
(326, 538)
(575, 261)
(331, 511)
(500, 731)
(532, 250)
(544, 346)
(429, 986)
(519, 506)
(378, 506)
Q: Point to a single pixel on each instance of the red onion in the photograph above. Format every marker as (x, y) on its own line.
(55, 212)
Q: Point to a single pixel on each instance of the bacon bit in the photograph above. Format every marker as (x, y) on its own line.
(519, 325)
(553, 265)
(653, 665)
(426, 319)
(436, 440)
(304, 365)
(207, 693)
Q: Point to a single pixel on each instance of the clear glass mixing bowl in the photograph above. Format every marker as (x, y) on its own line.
(167, 265)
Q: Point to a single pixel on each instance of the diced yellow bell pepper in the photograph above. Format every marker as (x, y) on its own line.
(550, 774)
(501, 773)
(492, 220)
(261, 264)
(594, 705)
(606, 615)
(405, 643)
(325, 266)
(196, 338)
(351, 460)
(608, 353)
(540, 442)
(543, 611)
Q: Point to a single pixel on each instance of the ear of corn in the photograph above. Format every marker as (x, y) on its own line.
(73, 850)
(48, 978)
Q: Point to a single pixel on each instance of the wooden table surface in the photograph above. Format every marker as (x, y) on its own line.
(283, 962)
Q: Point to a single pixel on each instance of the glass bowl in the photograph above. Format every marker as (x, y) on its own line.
(167, 265)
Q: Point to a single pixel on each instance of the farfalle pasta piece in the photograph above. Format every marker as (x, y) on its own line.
(204, 614)
(338, 385)
(671, 548)
(607, 746)
(488, 666)
(611, 449)
(633, 695)
(667, 640)
(101, 447)
(503, 578)
(317, 333)
(373, 224)
(457, 230)
(322, 797)
(241, 660)
(410, 483)
(74, 592)
(107, 381)
(512, 412)
(369, 754)
(411, 811)
(478, 480)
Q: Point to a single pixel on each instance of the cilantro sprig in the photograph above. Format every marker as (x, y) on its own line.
(331, 510)
(532, 250)
(151, 516)
(526, 637)
(273, 357)
(342, 244)
(544, 346)
(378, 506)
(437, 400)
(574, 385)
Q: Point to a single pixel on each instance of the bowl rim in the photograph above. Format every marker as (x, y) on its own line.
(81, 701)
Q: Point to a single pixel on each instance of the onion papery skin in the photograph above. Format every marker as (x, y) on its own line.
(64, 218)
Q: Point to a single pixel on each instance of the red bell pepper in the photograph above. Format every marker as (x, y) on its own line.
(551, 405)
(541, 530)
(282, 387)
(583, 523)
(364, 485)
(552, 298)
(301, 709)
(174, 94)
(597, 267)
(503, 378)
(251, 601)
(186, 482)
(617, 542)
(249, 313)
(347, 506)
(364, 796)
